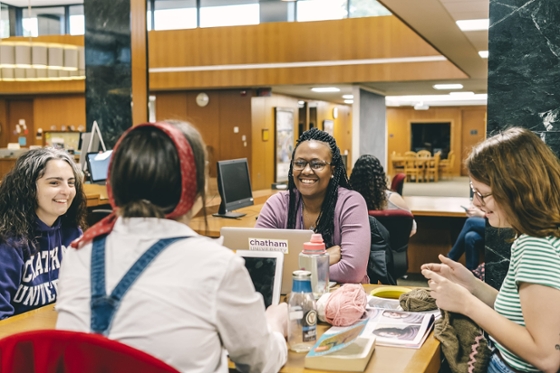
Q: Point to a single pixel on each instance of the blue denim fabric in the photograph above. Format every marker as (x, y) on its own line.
(497, 365)
(103, 307)
(470, 242)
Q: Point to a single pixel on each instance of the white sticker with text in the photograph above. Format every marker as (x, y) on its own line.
(268, 244)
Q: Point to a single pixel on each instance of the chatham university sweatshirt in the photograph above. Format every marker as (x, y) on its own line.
(28, 282)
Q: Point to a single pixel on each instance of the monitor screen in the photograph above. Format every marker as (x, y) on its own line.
(234, 185)
(98, 166)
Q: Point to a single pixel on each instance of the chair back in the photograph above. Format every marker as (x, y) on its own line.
(410, 154)
(399, 225)
(398, 182)
(61, 351)
(424, 153)
(380, 263)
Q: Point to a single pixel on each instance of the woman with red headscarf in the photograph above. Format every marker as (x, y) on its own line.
(143, 277)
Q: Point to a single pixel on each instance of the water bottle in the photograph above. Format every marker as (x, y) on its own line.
(302, 313)
(315, 259)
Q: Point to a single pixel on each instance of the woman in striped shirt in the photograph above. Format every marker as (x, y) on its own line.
(516, 182)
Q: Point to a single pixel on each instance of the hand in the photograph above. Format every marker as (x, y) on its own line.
(449, 296)
(334, 254)
(475, 211)
(452, 271)
(277, 318)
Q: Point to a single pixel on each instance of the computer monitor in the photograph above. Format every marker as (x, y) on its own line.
(98, 166)
(90, 142)
(234, 186)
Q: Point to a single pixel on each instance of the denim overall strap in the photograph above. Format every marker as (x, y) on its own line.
(103, 307)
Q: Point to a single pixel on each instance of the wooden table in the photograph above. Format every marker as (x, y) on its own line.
(96, 194)
(385, 359)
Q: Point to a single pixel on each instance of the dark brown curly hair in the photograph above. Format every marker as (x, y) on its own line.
(368, 178)
(18, 198)
(524, 176)
(325, 222)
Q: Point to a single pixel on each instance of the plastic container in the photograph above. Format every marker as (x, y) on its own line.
(315, 259)
(302, 313)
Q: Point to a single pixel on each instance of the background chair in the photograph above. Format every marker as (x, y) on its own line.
(446, 165)
(380, 263)
(397, 183)
(413, 168)
(399, 225)
(424, 154)
(61, 351)
(432, 170)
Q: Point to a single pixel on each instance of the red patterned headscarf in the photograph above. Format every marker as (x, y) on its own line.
(188, 187)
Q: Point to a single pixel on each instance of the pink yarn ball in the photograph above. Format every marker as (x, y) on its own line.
(346, 305)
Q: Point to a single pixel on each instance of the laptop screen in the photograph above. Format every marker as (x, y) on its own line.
(98, 165)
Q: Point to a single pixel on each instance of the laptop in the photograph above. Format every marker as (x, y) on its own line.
(98, 166)
(265, 269)
(288, 241)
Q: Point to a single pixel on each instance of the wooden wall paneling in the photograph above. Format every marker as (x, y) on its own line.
(139, 61)
(235, 115)
(207, 120)
(54, 111)
(171, 105)
(352, 38)
(20, 109)
(49, 87)
(3, 123)
(62, 39)
(473, 132)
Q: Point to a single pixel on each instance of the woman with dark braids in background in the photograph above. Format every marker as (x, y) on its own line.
(319, 198)
(368, 178)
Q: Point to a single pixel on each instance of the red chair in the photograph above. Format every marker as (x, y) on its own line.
(61, 351)
(397, 183)
(399, 224)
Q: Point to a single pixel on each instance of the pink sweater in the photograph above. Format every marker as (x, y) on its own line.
(351, 232)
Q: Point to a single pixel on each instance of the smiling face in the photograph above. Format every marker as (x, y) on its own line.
(55, 191)
(495, 215)
(312, 183)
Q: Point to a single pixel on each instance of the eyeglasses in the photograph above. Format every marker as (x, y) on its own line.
(314, 164)
(479, 195)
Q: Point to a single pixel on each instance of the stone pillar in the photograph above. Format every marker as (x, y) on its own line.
(112, 29)
(523, 81)
(369, 125)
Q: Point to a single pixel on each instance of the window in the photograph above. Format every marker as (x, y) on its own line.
(43, 21)
(320, 10)
(173, 15)
(367, 8)
(214, 13)
(4, 21)
(77, 26)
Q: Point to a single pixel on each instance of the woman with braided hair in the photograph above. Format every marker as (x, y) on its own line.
(369, 179)
(319, 198)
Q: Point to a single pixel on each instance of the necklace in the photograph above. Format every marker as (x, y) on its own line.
(304, 212)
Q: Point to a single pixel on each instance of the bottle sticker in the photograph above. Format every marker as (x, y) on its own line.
(296, 313)
(309, 323)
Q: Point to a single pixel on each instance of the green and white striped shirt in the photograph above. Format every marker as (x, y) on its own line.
(533, 260)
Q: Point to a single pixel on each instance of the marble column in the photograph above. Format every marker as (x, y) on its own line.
(109, 32)
(369, 127)
(523, 81)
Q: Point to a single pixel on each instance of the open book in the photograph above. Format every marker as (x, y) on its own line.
(394, 327)
(342, 349)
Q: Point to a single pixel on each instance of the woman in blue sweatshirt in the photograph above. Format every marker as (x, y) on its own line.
(42, 210)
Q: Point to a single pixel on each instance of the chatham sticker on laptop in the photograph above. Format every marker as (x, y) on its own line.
(268, 244)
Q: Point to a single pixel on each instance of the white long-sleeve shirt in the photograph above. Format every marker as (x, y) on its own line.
(194, 302)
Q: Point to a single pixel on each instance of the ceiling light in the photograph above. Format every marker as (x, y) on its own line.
(301, 102)
(483, 54)
(437, 100)
(325, 89)
(421, 106)
(448, 86)
(348, 101)
(348, 97)
(462, 93)
(474, 24)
